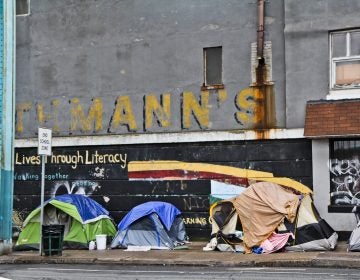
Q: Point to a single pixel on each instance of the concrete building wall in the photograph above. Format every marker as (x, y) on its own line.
(128, 75)
(109, 76)
(307, 27)
(93, 67)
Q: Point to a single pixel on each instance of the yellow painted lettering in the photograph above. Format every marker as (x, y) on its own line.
(123, 114)
(159, 110)
(247, 101)
(94, 116)
(21, 108)
(200, 111)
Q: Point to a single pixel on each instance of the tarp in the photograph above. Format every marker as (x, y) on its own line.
(270, 217)
(261, 208)
(354, 240)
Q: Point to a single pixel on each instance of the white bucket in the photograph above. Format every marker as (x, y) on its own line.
(101, 241)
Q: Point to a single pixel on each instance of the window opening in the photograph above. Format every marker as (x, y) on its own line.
(345, 59)
(345, 172)
(213, 67)
(22, 7)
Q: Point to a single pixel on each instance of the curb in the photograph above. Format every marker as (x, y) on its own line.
(194, 256)
(311, 262)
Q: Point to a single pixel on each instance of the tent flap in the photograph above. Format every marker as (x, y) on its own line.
(87, 208)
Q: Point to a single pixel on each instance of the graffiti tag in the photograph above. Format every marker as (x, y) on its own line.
(345, 181)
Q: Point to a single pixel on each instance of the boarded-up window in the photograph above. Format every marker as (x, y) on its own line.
(22, 7)
(345, 59)
(347, 73)
(213, 66)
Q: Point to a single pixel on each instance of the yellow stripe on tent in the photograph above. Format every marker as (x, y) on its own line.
(287, 182)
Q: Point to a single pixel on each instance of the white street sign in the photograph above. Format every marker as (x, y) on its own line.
(44, 146)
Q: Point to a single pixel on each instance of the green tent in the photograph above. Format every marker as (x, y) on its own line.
(82, 217)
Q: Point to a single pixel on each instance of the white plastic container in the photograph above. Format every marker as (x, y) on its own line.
(91, 245)
(101, 241)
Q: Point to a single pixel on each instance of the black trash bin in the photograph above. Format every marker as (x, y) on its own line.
(52, 240)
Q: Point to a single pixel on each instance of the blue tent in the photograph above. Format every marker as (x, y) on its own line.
(156, 224)
(88, 209)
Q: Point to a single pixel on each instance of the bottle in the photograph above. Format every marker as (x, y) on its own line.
(91, 245)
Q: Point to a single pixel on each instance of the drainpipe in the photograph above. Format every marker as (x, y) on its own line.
(7, 105)
(264, 94)
(260, 42)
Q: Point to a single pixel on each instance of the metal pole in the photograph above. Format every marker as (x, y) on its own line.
(42, 201)
(7, 113)
(260, 29)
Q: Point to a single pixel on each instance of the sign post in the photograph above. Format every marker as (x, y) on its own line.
(44, 149)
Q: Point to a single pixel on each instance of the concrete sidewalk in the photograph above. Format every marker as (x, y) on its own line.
(193, 256)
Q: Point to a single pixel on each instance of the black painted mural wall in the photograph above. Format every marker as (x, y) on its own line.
(101, 173)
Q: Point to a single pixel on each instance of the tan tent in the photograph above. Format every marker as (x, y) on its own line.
(261, 208)
(265, 210)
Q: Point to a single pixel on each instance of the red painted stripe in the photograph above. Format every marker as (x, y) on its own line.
(187, 175)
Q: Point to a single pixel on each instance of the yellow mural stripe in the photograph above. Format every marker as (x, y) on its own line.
(157, 165)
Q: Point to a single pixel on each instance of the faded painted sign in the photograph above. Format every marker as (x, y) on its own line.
(166, 112)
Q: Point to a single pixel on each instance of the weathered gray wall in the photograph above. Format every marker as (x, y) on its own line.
(307, 26)
(76, 56)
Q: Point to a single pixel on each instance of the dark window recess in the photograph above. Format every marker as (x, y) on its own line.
(344, 173)
(22, 7)
(213, 67)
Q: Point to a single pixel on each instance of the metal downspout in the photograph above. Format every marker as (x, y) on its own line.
(260, 37)
(265, 110)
